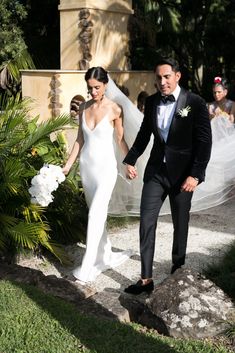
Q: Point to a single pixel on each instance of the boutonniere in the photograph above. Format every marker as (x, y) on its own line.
(183, 113)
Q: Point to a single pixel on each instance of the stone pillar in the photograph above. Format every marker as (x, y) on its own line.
(94, 33)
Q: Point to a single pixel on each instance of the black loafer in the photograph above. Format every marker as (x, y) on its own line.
(174, 268)
(139, 288)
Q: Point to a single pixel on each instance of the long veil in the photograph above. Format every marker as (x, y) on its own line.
(126, 196)
(218, 187)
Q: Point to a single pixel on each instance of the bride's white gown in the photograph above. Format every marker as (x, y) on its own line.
(98, 170)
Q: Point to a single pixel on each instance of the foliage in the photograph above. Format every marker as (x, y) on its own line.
(10, 77)
(198, 33)
(12, 13)
(24, 147)
(222, 274)
(39, 323)
(42, 32)
(13, 53)
(67, 215)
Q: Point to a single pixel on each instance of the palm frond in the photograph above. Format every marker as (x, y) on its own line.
(22, 61)
(59, 252)
(45, 129)
(33, 213)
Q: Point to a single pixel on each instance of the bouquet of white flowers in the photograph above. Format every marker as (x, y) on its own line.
(44, 183)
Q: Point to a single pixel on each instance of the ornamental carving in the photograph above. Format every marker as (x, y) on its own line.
(54, 95)
(85, 37)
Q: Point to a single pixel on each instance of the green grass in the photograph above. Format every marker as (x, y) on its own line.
(117, 222)
(32, 322)
(222, 273)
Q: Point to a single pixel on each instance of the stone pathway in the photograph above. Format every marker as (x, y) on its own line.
(211, 231)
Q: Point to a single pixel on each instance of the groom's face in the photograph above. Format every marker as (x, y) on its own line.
(166, 79)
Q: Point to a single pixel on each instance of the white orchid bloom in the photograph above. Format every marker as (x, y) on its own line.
(44, 183)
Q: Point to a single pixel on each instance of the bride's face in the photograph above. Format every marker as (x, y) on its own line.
(96, 89)
(219, 93)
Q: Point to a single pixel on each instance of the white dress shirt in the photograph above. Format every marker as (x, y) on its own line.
(165, 114)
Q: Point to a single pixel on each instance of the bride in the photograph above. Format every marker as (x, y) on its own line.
(219, 185)
(99, 118)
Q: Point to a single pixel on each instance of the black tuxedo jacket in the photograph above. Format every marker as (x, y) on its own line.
(188, 146)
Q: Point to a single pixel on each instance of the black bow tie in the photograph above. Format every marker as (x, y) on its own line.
(165, 99)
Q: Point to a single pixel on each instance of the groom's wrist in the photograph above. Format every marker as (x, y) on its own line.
(197, 179)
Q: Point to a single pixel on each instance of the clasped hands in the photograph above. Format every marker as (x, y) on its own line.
(131, 172)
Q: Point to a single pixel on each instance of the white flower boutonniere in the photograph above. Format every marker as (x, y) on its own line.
(184, 111)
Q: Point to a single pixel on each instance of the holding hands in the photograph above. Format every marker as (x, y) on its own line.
(131, 171)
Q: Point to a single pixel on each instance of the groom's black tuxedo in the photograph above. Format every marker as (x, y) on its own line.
(185, 153)
(188, 146)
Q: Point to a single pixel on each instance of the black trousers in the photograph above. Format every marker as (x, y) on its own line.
(153, 195)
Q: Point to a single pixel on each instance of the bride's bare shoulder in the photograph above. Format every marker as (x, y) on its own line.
(116, 108)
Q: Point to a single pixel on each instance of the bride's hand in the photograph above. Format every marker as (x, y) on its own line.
(66, 169)
(131, 171)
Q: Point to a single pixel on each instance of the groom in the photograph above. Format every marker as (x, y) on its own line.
(179, 122)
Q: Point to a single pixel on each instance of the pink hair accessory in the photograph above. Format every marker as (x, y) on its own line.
(217, 79)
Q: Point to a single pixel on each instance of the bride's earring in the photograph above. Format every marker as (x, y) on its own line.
(88, 95)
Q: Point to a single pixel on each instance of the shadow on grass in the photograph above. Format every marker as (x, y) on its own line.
(100, 336)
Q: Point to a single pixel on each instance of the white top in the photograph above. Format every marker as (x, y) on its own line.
(165, 114)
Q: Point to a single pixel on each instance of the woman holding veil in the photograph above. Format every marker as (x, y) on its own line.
(222, 106)
(220, 180)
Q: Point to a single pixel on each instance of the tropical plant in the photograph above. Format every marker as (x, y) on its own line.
(67, 214)
(13, 53)
(42, 32)
(198, 33)
(24, 147)
(12, 14)
(10, 77)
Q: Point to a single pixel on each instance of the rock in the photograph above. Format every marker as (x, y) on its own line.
(105, 304)
(140, 313)
(184, 305)
(50, 284)
(190, 305)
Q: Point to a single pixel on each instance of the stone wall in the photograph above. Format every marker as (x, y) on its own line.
(51, 91)
(93, 33)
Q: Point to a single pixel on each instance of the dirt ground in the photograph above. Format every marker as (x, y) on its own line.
(210, 233)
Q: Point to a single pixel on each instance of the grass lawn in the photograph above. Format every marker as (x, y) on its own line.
(32, 322)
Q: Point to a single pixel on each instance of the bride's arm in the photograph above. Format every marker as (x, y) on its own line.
(232, 114)
(76, 148)
(119, 131)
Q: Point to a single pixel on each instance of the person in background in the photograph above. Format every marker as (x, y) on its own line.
(75, 104)
(141, 100)
(221, 107)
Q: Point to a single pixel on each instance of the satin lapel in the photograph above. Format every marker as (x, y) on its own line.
(155, 116)
(181, 103)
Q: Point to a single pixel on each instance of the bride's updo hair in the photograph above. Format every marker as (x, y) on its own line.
(98, 73)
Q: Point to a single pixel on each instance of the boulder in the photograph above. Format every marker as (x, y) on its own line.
(190, 305)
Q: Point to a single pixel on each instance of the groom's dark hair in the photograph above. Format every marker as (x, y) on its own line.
(168, 61)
